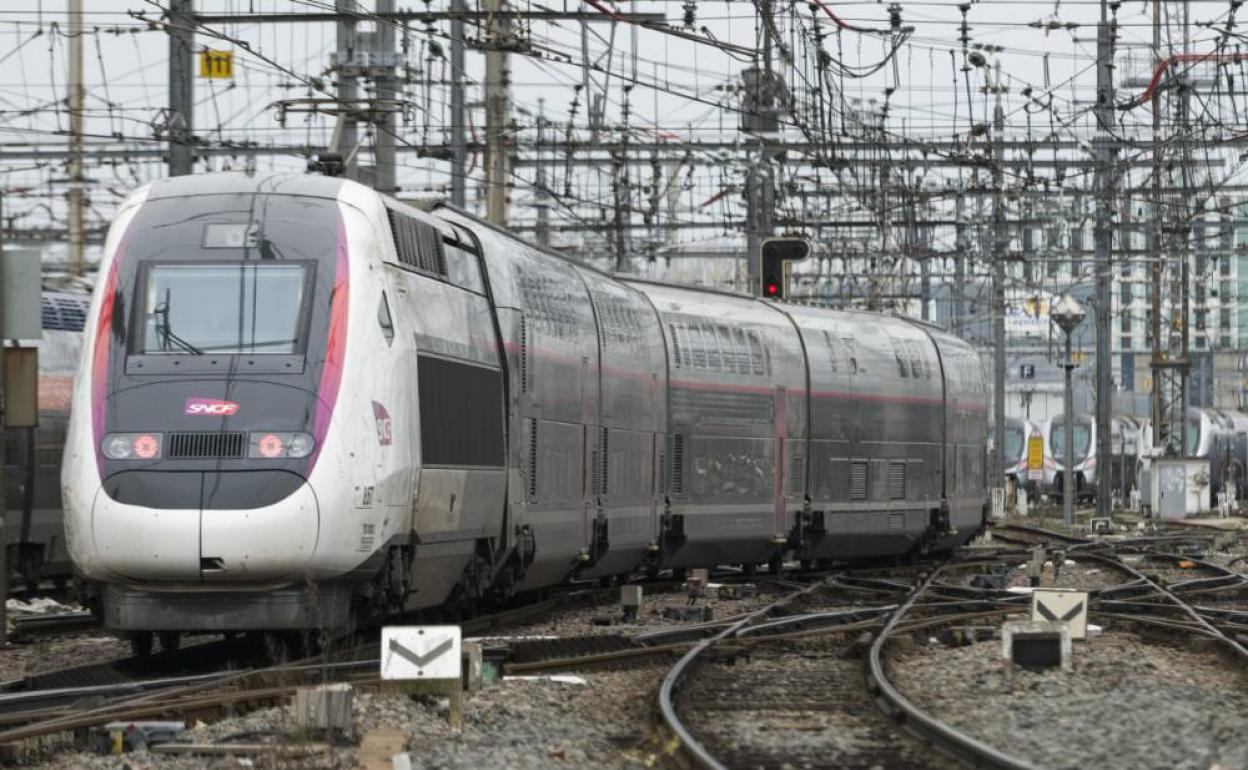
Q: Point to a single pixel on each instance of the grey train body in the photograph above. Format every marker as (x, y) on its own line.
(558, 422)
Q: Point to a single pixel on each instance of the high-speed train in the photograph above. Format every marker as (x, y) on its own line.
(1121, 464)
(1018, 432)
(1221, 437)
(303, 404)
(33, 529)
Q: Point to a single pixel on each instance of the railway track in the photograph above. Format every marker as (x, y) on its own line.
(774, 667)
(773, 688)
(208, 680)
(786, 691)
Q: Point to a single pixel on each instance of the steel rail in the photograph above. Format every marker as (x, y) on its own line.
(915, 719)
(1187, 609)
(744, 632)
(667, 692)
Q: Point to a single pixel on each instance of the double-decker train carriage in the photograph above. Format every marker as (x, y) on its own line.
(302, 403)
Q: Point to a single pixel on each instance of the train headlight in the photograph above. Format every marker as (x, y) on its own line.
(131, 446)
(300, 445)
(277, 446)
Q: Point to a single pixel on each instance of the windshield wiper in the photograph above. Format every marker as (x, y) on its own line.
(165, 333)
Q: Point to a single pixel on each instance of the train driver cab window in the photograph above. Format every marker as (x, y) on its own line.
(463, 269)
(224, 308)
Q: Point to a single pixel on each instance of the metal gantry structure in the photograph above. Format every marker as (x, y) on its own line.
(808, 143)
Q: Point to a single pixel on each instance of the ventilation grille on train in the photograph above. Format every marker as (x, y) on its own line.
(532, 480)
(524, 355)
(601, 458)
(858, 480)
(417, 243)
(205, 445)
(897, 481)
(678, 464)
(797, 474)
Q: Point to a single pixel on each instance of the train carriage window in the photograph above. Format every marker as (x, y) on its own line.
(712, 347)
(697, 347)
(463, 269)
(743, 351)
(900, 356)
(756, 353)
(916, 359)
(727, 348)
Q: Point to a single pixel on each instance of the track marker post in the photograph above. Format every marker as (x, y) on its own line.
(424, 660)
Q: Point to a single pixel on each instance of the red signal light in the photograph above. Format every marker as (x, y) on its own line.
(270, 446)
(146, 446)
(771, 289)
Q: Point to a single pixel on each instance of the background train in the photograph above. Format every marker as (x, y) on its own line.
(1221, 437)
(1121, 464)
(33, 527)
(303, 404)
(1014, 458)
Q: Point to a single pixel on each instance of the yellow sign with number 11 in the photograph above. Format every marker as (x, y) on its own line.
(216, 64)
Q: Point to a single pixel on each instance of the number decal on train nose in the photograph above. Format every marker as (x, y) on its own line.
(213, 407)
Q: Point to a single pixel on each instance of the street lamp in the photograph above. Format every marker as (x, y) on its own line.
(1068, 314)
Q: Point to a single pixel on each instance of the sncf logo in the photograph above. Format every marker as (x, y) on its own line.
(213, 407)
(385, 428)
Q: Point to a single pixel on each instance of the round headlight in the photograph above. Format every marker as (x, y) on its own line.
(300, 445)
(117, 447)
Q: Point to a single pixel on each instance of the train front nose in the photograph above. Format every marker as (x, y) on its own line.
(195, 526)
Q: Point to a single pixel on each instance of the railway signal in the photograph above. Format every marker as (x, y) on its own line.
(773, 256)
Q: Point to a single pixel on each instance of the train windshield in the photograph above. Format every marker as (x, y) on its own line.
(1013, 442)
(1193, 437)
(223, 308)
(1057, 440)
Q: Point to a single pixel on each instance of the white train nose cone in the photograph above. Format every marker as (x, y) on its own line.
(270, 543)
(143, 543)
(274, 542)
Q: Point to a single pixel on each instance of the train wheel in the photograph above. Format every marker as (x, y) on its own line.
(279, 647)
(141, 643)
(775, 565)
(170, 640)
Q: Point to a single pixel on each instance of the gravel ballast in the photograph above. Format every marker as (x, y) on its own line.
(1129, 703)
